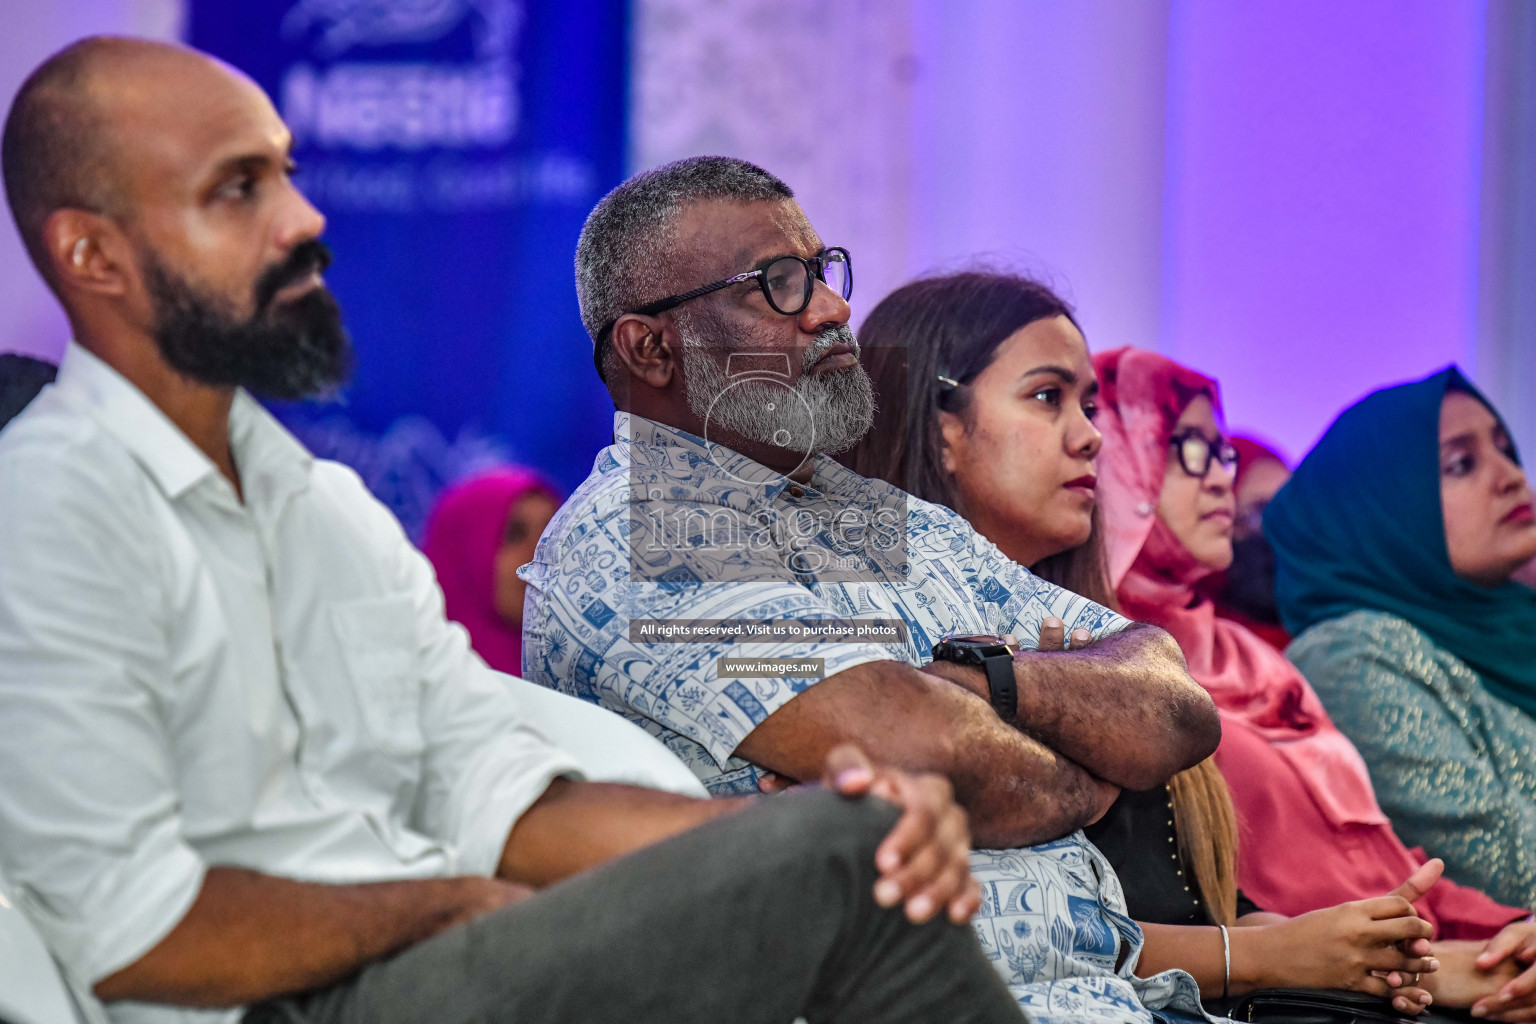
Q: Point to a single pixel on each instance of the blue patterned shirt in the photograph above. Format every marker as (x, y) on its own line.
(672, 529)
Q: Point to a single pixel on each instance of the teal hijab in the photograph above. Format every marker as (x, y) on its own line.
(1359, 525)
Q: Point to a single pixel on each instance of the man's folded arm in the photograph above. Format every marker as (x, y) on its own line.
(1017, 790)
(1124, 706)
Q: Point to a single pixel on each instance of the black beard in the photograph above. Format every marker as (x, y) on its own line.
(297, 350)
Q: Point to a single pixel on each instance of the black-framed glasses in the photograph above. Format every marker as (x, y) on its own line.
(1197, 452)
(787, 282)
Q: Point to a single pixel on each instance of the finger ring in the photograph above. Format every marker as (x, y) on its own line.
(1415, 977)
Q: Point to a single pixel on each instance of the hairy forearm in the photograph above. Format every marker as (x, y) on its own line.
(579, 825)
(1124, 707)
(249, 936)
(1040, 796)
(1017, 791)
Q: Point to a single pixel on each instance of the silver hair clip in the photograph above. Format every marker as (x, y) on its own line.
(949, 389)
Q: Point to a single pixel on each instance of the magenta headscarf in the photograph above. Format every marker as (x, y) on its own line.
(1250, 450)
(464, 532)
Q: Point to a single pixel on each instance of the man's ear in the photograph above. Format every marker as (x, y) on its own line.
(643, 346)
(86, 252)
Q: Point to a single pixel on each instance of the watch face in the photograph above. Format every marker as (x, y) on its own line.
(989, 639)
(971, 648)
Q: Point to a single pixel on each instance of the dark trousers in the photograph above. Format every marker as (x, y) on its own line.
(756, 918)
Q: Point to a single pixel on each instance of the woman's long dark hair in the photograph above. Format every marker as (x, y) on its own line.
(951, 327)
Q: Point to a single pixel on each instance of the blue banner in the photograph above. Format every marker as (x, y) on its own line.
(455, 147)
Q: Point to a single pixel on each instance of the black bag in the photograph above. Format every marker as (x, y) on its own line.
(1325, 1006)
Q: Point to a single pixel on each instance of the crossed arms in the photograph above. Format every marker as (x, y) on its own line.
(1120, 712)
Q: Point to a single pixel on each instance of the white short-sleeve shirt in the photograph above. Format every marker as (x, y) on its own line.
(189, 680)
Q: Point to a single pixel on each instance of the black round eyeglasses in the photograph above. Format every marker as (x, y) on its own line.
(1197, 452)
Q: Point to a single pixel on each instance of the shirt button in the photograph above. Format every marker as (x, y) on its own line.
(797, 492)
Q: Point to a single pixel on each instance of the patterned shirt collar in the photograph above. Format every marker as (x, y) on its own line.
(695, 469)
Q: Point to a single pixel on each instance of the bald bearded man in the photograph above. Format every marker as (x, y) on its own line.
(246, 763)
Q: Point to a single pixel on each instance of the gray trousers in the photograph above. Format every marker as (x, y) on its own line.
(756, 918)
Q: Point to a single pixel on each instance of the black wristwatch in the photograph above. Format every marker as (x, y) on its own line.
(992, 653)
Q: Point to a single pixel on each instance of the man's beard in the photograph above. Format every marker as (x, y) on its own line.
(295, 350)
(835, 408)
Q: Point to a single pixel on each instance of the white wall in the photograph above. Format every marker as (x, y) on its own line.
(1321, 209)
(926, 135)
(30, 321)
(1025, 153)
(1288, 194)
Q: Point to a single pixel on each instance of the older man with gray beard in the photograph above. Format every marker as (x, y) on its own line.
(726, 585)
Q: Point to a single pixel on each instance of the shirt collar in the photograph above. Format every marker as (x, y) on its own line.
(271, 461)
(128, 415)
(655, 452)
(260, 443)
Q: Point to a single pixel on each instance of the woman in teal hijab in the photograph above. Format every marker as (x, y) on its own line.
(1394, 543)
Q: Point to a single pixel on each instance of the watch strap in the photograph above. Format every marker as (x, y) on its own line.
(1003, 685)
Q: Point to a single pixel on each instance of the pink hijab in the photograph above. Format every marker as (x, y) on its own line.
(1251, 450)
(1143, 395)
(464, 532)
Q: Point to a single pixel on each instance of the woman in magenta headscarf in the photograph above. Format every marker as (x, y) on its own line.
(478, 535)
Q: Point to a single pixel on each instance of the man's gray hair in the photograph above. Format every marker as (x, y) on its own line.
(624, 256)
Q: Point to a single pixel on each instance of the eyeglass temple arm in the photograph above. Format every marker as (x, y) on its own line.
(662, 305)
(605, 336)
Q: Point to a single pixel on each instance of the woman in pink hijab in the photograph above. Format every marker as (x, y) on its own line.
(1311, 832)
(478, 535)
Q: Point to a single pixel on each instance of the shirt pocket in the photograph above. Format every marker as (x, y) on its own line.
(378, 642)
